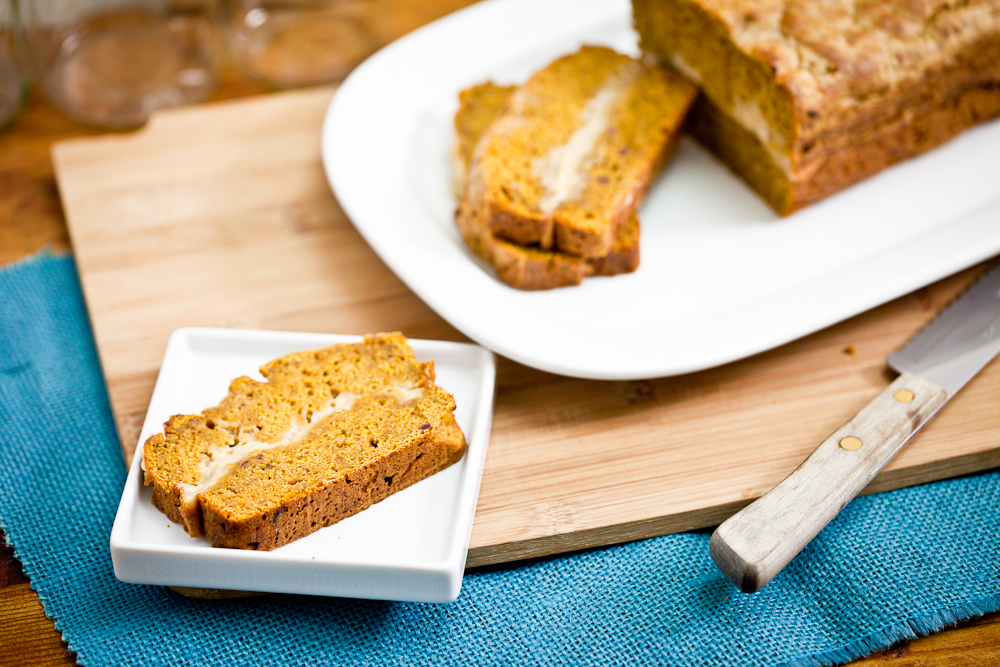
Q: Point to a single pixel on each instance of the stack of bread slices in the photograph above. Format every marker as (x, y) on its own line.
(326, 435)
(549, 175)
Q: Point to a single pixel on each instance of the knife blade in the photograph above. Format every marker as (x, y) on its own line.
(755, 544)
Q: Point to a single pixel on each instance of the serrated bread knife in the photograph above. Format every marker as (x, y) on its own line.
(752, 546)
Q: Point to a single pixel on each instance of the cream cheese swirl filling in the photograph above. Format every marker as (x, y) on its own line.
(561, 171)
(221, 459)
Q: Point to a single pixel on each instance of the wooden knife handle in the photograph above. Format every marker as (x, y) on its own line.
(752, 546)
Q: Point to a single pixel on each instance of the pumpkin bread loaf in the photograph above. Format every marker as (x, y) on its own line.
(576, 147)
(522, 267)
(328, 434)
(802, 98)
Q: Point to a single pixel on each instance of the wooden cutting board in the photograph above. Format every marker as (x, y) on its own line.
(221, 216)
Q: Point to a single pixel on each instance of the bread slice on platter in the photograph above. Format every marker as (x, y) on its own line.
(329, 433)
(523, 267)
(575, 149)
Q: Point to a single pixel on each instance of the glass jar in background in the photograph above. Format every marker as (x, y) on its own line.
(112, 63)
(292, 43)
(13, 69)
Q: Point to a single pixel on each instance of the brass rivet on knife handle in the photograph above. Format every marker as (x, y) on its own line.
(850, 443)
(904, 396)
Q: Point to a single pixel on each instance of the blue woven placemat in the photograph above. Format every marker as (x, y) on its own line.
(891, 566)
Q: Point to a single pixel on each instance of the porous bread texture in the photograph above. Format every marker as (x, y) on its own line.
(522, 267)
(575, 150)
(478, 107)
(329, 433)
(803, 98)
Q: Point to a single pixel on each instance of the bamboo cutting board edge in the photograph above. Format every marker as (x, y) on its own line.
(707, 517)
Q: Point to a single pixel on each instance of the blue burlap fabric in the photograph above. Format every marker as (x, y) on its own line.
(892, 566)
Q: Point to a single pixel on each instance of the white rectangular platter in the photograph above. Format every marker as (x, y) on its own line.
(722, 276)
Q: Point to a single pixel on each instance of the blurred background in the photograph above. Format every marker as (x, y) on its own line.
(111, 63)
(222, 49)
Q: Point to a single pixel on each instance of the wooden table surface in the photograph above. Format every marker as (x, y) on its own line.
(31, 218)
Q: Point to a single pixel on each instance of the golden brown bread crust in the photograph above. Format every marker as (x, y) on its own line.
(575, 150)
(827, 93)
(330, 433)
(522, 267)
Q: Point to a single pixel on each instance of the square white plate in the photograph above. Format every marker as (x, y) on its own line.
(722, 276)
(411, 546)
